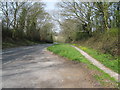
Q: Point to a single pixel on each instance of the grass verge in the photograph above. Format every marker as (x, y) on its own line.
(106, 59)
(11, 44)
(71, 53)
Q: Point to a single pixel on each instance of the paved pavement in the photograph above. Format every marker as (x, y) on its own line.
(98, 64)
(35, 67)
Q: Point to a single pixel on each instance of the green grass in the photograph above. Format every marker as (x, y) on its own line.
(17, 43)
(71, 53)
(106, 42)
(67, 51)
(106, 59)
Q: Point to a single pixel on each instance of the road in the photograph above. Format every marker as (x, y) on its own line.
(35, 67)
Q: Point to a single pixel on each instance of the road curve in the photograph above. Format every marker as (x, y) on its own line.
(35, 67)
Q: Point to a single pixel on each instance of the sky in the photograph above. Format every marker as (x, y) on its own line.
(50, 4)
(51, 8)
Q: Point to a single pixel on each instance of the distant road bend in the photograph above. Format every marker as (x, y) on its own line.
(35, 67)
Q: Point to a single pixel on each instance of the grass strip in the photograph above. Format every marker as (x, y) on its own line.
(106, 59)
(12, 44)
(71, 53)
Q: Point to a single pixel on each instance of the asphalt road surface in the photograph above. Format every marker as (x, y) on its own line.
(35, 67)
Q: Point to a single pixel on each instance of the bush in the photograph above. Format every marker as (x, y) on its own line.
(106, 42)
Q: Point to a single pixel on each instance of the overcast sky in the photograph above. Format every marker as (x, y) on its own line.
(50, 4)
(51, 8)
